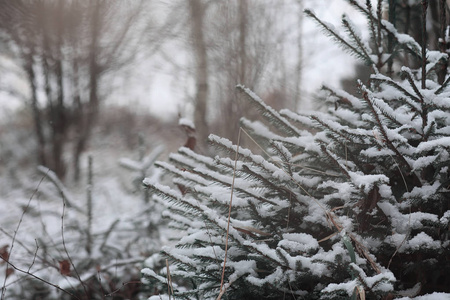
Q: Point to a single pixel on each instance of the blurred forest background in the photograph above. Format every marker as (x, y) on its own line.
(76, 71)
(92, 90)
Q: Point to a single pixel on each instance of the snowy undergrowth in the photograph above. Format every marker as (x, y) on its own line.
(48, 236)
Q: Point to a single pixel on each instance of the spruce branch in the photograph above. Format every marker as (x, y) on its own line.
(332, 130)
(197, 209)
(196, 159)
(378, 20)
(199, 175)
(266, 182)
(253, 131)
(388, 113)
(372, 31)
(358, 40)
(268, 112)
(292, 178)
(364, 252)
(229, 147)
(443, 87)
(382, 129)
(366, 11)
(424, 111)
(406, 41)
(255, 160)
(409, 76)
(335, 161)
(414, 106)
(431, 130)
(284, 154)
(402, 39)
(171, 195)
(344, 98)
(331, 32)
(189, 175)
(241, 190)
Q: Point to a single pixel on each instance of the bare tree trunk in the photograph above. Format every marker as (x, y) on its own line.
(299, 68)
(36, 111)
(87, 118)
(60, 128)
(237, 73)
(442, 38)
(197, 10)
(243, 15)
(43, 31)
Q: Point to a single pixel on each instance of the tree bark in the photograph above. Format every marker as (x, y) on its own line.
(299, 68)
(197, 10)
(243, 15)
(87, 118)
(37, 118)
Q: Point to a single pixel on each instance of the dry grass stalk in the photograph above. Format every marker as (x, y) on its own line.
(222, 290)
(169, 280)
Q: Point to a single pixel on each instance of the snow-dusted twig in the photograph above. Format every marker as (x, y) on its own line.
(34, 256)
(123, 262)
(65, 248)
(60, 186)
(37, 278)
(123, 284)
(144, 164)
(29, 250)
(15, 235)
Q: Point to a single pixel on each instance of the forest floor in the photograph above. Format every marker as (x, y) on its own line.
(52, 237)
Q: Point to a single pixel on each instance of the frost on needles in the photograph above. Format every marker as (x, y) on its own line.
(349, 202)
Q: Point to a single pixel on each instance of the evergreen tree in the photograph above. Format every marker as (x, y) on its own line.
(351, 202)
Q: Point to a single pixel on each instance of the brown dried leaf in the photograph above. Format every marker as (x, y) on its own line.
(191, 142)
(64, 267)
(4, 254)
(9, 271)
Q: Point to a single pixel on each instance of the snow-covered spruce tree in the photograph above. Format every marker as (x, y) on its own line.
(353, 201)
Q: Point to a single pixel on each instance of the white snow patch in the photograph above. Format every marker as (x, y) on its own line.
(423, 240)
(186, 122)
(348, 287)
(298, 242)
(433, 296)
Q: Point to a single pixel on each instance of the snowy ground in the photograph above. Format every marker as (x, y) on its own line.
(35, 221)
